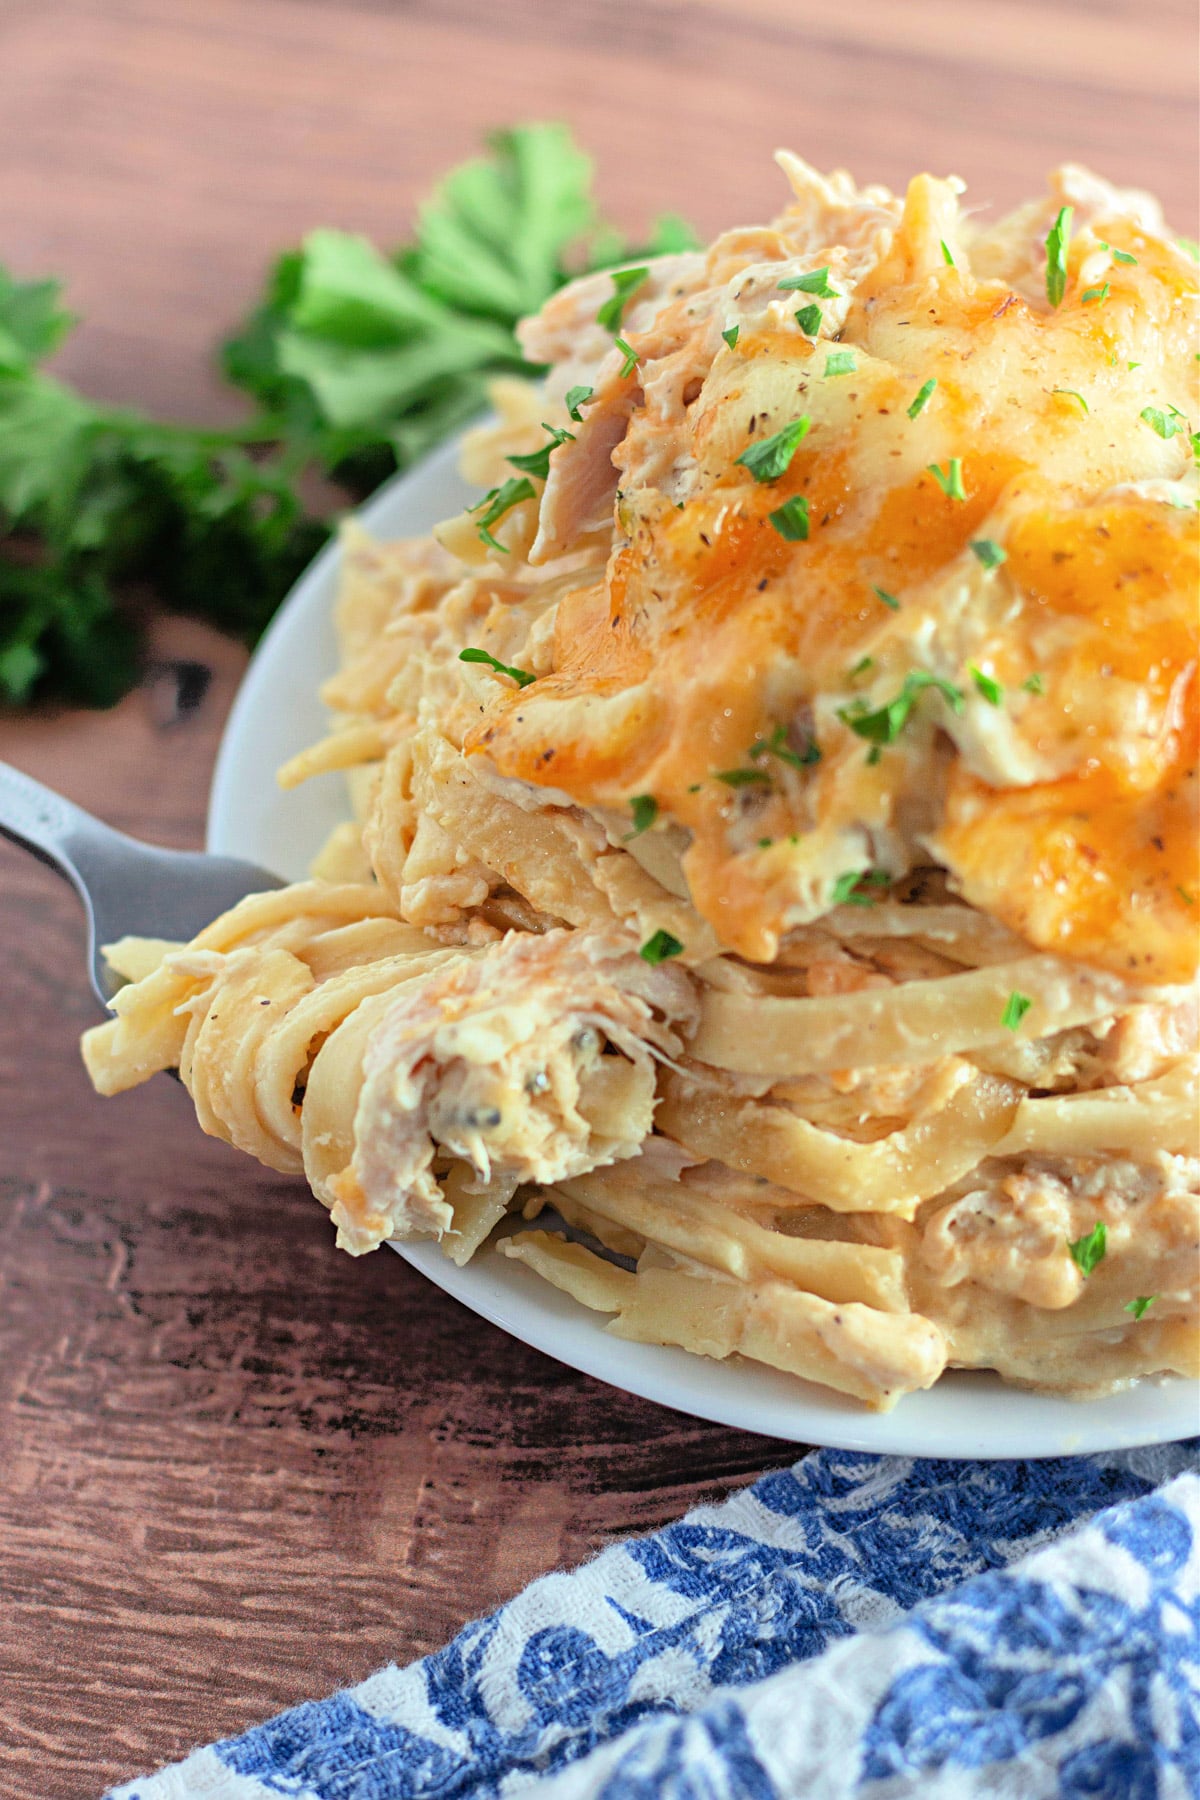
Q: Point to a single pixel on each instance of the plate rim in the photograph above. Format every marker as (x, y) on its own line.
(1029, 1425)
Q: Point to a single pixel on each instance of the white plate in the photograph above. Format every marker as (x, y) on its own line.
(972, 1415)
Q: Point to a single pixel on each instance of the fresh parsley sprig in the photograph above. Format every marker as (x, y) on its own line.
(355, 362)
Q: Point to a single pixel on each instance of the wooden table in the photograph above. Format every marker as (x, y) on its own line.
(236, 1468)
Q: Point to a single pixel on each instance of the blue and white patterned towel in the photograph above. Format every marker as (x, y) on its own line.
(855, 1626)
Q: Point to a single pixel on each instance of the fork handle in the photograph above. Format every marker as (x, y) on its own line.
(54, 829)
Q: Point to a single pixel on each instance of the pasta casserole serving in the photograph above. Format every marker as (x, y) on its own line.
(774, 841)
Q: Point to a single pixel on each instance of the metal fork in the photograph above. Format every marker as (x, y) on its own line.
(128, 888)
(131, 889)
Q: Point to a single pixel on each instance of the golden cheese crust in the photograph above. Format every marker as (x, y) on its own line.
(1020, 537)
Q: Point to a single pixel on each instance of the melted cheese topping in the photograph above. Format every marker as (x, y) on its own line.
(1050, 765)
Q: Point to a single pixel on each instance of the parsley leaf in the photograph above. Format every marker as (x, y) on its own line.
(644, 808)
(1166, 424)
(884, 724)
(950, 480)
(924, 395)
(948, 255)
(1056, 256)
(987, 685)
(777, 745)
(731, 336)
(990, 553)
(630, 355)
(538, 461)
(889, 600)
(771, 458)
(1015, 1008)
(1073, 394)
(497, 502)
(1139, 1306)
(791, 519)
(1034, 684)
(815, 283)
(577, 397)
(853, 888)
(736, 778)
(840, 362)
(658, 948)
(1087, 1253)
(1121, 256)
(625, 282)
(522, 677)
(1094, 295)
(809, 319)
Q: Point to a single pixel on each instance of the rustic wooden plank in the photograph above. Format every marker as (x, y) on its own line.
(237, 1469)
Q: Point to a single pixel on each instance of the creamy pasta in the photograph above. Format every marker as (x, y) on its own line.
(794, 883)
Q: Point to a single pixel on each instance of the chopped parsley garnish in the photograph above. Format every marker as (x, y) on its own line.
(644, 808)
(736, 778)
(861, 666)
(988, 686)
(731, 336)
(538, 461)
(1121, 256)
(1165, 423)
(777, 745)
(1015, 1008)
(1087, 1253)
(577, 397)
(948, 255)
(1138, 1307)
(791, 519)
(848, 888)
(990, 553)
(1056, 256)
(924, 394)
(771, 458)
(522, 677)
(889, 600)
(809, 319)
(1033, 684)
(765, 843)
(1188, 899)
(1191, 246)
(873, 755)
(1073, 394)
(659, 947)
(840, 362)
(499, 501)
(630, 355)
(625, 284)
(884, 724)
(950, 480)
(1093, 296)
(815, 283)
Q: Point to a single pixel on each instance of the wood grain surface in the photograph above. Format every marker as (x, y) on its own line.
(236, 1468)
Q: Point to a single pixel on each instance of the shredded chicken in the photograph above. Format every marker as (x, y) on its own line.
(534, 1062)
